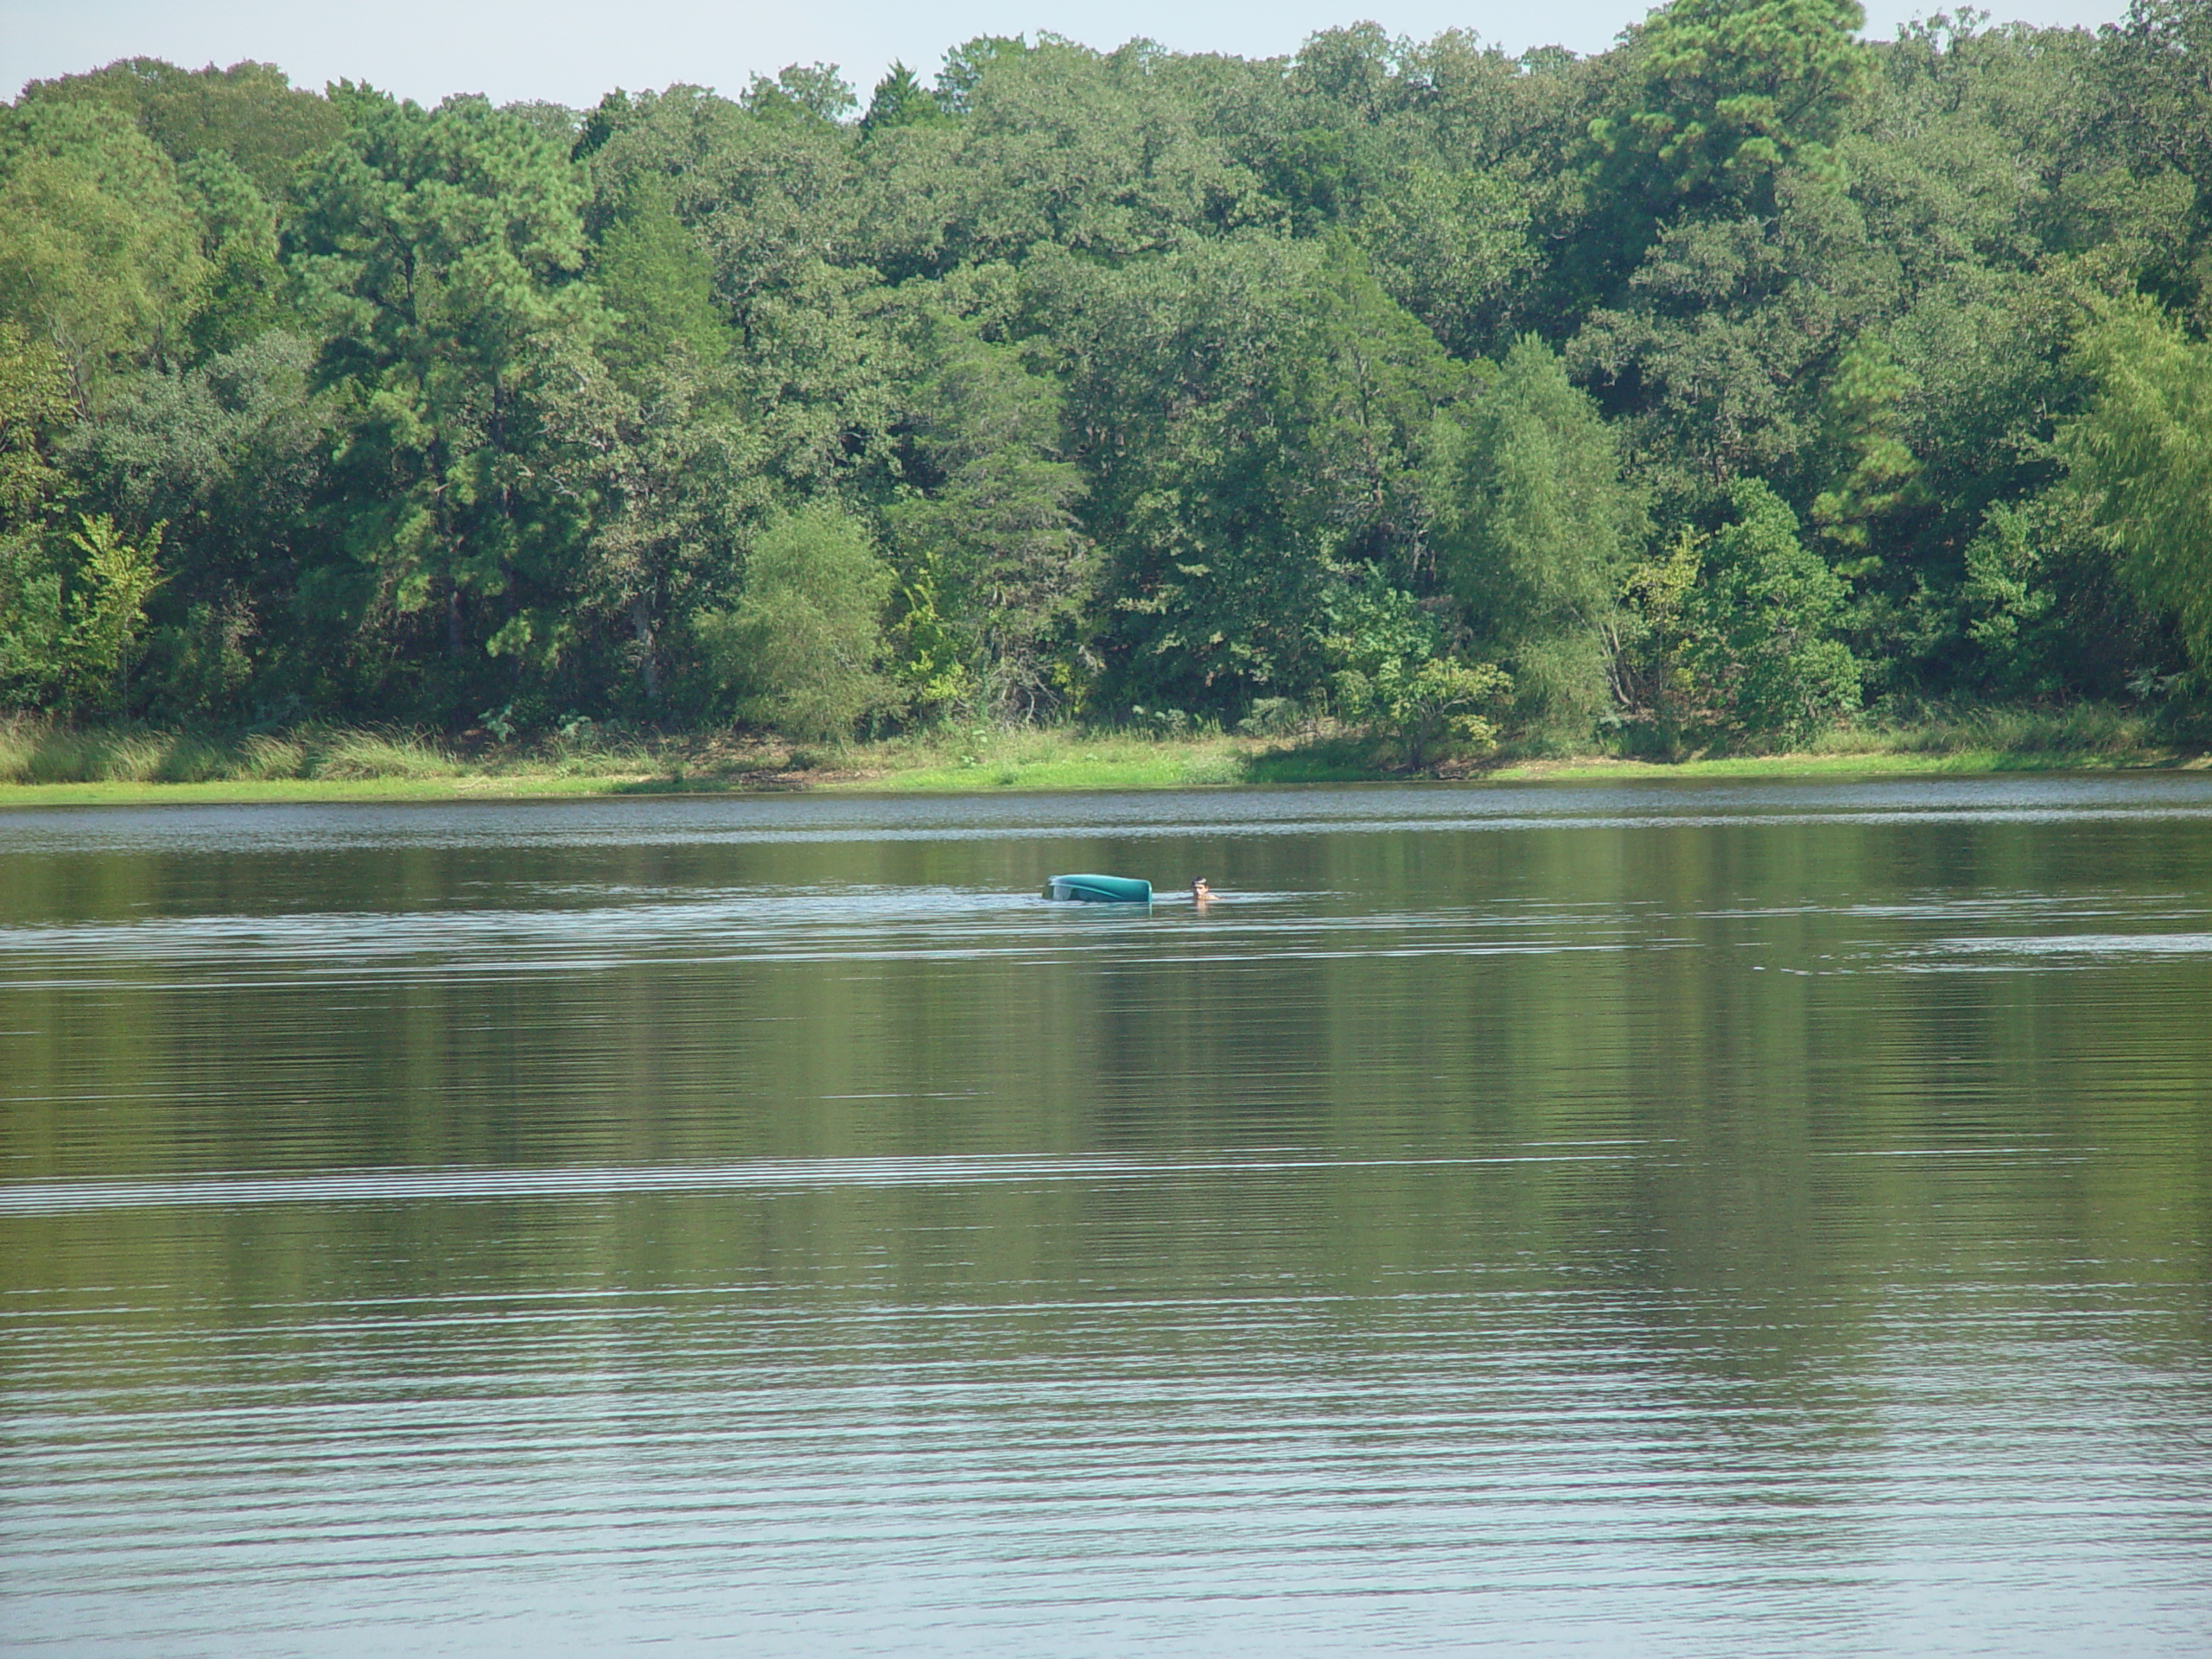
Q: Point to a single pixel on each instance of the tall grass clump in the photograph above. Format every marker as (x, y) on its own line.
(36, 749)
(2091, 730)
(33, 750)
(349, 752)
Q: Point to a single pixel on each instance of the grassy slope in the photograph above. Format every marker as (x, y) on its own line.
(84, 769)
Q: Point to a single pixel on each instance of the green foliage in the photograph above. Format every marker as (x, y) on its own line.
(991, 536)
(1259, 410)
(107, 608)
(33, 408)
(933, 657)
(900, 101)
(237, 238)
(676, 482)
(1392, 676)
(249, 113)
(1428, 711)
(1533, 529)
(964, 67)
(229, 455)
(1717, 352)
(2140, 456)
(1762, 651)
(657, 281)
(101, 252)
(1656, 697)
(73, 613)
(438, 249)
(802, 649)
(35, 658)
(2008, 606)
(600, 124)
(1368, 625)
(1431, 713)
(2149, 71)
(801, 92)
(1874, 470)
(1704, 386)
(1722, 96)
(1449, 247)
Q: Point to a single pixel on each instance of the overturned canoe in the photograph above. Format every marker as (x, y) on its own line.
(1100, 889)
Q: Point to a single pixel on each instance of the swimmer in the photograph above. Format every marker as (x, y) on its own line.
(1200, 892)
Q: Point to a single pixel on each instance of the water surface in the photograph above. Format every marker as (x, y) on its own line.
(1670, 1219)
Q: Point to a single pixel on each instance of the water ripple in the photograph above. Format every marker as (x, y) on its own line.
(385, 1185)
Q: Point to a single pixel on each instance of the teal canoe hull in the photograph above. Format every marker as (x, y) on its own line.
(1100, 889)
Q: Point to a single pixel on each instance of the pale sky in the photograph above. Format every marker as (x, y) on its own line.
(571, 51)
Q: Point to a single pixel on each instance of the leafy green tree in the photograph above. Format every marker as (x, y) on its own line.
(1060, 146)
(1433, 712)
(1354, 71)
(1173, 364)
(1534, 528)
(991, 534)
(802, 649)
(232, 455)
(1315, 173)
(771, 205)
(2149, 75)
(2046, 613)
(676, 482)
(237, 238)
(1718, 352)
(2008, 607)
(100, 248)
(249, 113)
(1394, 675)
(1253, 412)
(804, 91)
(2141, 455)
(1451, 247)
(600, 124)
(1360, 387)
(1657, 702)
(1722, 96)
(106, 608)
(34, 409)
(73, 613)
(1160, 374)
(966, 64)
(441, 250)
(1873, 471)
(34, 661)
(557, 122)
(232, 212)
(1475, 106)
(1975, 366)
(900, 101)
(1765, 653)
(657, 281)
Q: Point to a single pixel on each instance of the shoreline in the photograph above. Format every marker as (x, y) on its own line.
(1220, 764)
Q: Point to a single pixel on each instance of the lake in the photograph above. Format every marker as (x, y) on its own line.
(1670, 1219)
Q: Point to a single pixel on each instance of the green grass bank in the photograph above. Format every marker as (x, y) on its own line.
(43, 763)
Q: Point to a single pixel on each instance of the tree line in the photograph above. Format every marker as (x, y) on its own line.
(1709, 390)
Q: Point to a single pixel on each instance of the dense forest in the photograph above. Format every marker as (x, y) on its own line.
(1741, 380)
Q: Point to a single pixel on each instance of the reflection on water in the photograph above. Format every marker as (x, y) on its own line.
(1664, 1220)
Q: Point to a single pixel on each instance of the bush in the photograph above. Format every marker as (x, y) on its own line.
(1428, 711)
(800, 649)
(1764, 612)
(1272, 717)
